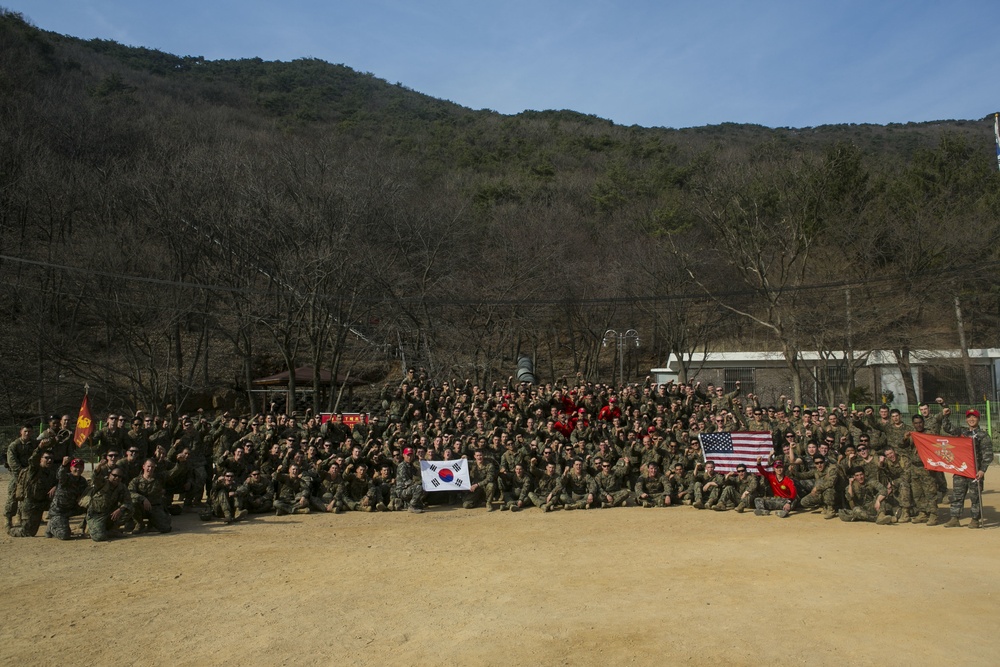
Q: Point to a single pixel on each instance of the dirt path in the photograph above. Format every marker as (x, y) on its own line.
(613, 587)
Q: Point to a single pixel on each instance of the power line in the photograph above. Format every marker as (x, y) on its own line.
(949, 271)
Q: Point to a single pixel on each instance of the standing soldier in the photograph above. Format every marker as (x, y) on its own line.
(923, 486)
(982, 447)
(36, 484)
(19, 453)
(409, 487)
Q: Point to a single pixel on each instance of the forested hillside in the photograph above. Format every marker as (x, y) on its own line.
(171, 225)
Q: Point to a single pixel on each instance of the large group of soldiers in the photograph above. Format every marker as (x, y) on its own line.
(566, 446)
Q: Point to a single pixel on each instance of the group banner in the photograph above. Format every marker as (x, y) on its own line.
(945, 453)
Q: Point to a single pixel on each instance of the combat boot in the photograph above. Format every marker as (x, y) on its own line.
(719, 507)
(514, 507)
(8, 522)
(932, 519)
(760, 511)
(974, 523)
(741, 507)
(547, 507)
(828, 513)
(699, 505)
(883, 520)
(904, 516)
(920, 518)
(415, 510)
(952, 523)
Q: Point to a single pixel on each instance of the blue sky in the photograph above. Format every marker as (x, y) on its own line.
(674, 64)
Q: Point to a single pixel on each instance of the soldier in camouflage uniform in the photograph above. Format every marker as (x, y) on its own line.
(866, 498)
(225, 499)
(824, 489)
(612, 485)
(147, 492)
(357, 493)
(516, 487)
(35, 483)
(328, 496)
(546, 492)
(409, 486)
(483, 477)
(72, 487)
(982, 446)
(739, 491)
(893, 472)
(293, 492)
(577, 490)
(682, 484)
(707, 487)
(110, 506)
(923, 486)
(19, 453)
(653, 489)
(257, 493)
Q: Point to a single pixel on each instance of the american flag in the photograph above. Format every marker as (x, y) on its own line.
(727, 450)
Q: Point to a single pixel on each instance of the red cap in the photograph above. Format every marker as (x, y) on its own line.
(407, 451)
(974, 413)
(779, 464)
(76, 463)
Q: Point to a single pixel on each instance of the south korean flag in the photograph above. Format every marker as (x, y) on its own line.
(445, 475)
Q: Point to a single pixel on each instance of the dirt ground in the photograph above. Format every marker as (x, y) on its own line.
(625, 586)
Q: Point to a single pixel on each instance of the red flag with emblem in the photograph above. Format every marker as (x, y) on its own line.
(84, 424)
(945, 453)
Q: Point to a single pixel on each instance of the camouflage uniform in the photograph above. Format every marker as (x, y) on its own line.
(824, 492)
(709, 498)
(144, 490)
(545, 485)
(516, 489)
(861, 498)
(575, 489)
(739, 492)
(656, 489)
(921, 482)
(104, 500)
(409, 486)
(966, 486)
(257, 494)
(291, 490)
(329, 492)
(485, 476)
(36, 482)
(66, 503)
(611, 483)
(225, 499)
(18, 457)
(357, 495)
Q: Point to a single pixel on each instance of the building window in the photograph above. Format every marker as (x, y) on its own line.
(747, 377)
